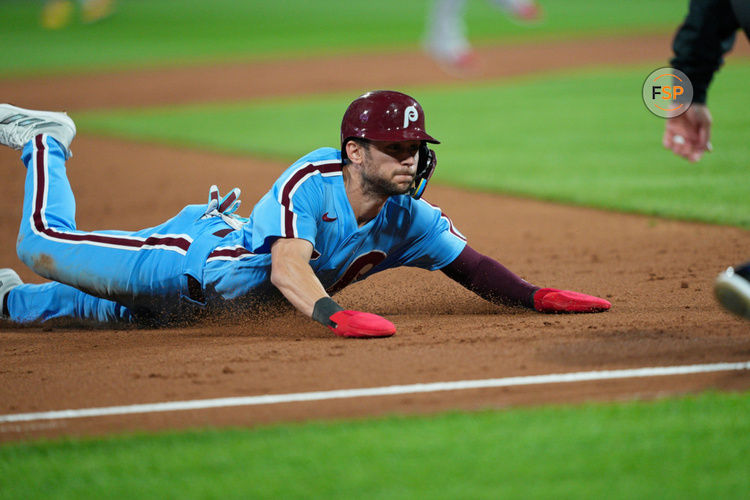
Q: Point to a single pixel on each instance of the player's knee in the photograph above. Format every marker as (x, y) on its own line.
(30, 253)
(23, 249)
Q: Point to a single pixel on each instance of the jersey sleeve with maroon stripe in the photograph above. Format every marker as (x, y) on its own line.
(296, 202)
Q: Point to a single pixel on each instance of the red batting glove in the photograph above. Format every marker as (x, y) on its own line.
(551, 300)
(361, 325)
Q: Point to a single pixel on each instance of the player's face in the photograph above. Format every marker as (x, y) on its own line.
(389, 167)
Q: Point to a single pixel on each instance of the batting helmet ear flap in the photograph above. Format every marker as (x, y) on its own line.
(425, 168)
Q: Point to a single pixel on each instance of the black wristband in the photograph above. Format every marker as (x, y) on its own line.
(323, 310)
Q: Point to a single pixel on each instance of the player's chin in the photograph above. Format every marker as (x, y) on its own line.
(399, 189)
(402, 183)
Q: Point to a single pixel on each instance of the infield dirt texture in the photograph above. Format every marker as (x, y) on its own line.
(657, 273)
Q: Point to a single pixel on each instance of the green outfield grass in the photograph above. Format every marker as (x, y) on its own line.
(581, 138)
(556, 137)
(189, 31)
(691, 447)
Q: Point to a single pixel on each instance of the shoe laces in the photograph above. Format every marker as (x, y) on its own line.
(10, 135)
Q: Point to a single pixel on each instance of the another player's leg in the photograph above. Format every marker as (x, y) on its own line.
(732, 289)
(526, 11)
(445, 36)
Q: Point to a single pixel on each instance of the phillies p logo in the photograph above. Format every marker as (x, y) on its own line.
(410, 115)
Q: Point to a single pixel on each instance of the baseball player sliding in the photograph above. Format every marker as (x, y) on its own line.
(332, 218)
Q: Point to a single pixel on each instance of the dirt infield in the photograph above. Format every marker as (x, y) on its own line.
(658, 275)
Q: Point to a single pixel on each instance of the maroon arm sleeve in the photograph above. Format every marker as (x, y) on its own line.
(489, 279)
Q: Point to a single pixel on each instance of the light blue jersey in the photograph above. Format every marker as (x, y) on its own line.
(161, 274)
(309, 202)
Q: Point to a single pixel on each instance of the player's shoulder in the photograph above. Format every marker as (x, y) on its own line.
(322, 159)
(408, 212)
(321, 163)
(422, 214)
(321, 155)
(415, 207)
(434, 212)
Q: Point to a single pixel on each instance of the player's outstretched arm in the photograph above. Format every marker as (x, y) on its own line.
(292, 275)
(494, 282)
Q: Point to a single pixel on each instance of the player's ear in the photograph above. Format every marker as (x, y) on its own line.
(355, 152)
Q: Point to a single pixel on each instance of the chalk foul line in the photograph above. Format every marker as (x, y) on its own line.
(202, 404)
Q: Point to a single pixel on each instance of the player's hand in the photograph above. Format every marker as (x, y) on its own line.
(689, 134)
(361, 325)
(551, 300)
(226, 205)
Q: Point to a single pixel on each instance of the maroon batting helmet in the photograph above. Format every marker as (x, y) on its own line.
(384, 115)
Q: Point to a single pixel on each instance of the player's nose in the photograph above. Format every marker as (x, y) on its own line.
(409, 160)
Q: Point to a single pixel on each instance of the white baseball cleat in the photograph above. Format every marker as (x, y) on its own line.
(8, 281)
(732, 289)
(18, 126)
